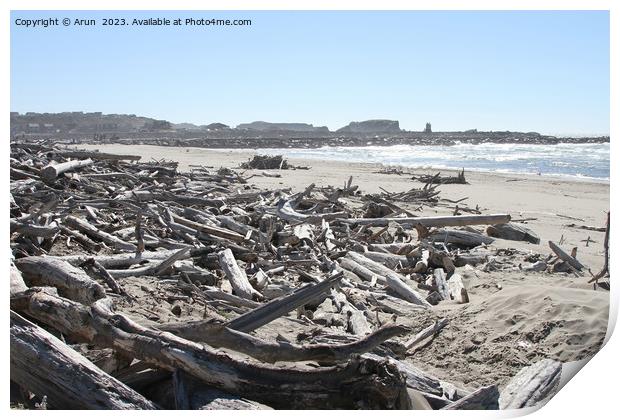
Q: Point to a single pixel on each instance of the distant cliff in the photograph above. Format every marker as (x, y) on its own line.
(267, 126)
(371, 126)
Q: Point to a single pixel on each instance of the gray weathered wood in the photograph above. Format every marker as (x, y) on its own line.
(565, 256)
(46, 366)
(436, 221)
(90, 230)
(457, 289)
(237, 277)
(51, 172)
(410, 295)
(532, 385)
(513, 232)
(484, 398)
(70, 281)
(281, 306)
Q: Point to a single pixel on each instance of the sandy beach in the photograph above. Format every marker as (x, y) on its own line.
(514, 317)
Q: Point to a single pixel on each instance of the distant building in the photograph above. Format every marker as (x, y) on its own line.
(427, 129)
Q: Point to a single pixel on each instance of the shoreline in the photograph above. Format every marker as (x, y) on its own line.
(247, 153)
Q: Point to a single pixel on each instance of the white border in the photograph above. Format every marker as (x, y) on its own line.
(591, 395)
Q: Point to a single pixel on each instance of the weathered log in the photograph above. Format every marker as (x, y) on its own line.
(16, 280)
(484, 398)
(361, 271)
(83, 240)
(513, 232)
(95, 154)
(44, 365)
(437, 221)
(119, 260)
(51, 172)
(34, 231)
(375, 267)
(422, 381)
(410, 295)
(90, 230)
(271, 352)
(457, 289)
(459, 238)
(391, 261)
(373, 384)
(282, 305)
(427, 332)
(565, 257)
(211, 230)
(237, 277)
(286, 212)
(70, 281)
(441, 284)
(532, 385)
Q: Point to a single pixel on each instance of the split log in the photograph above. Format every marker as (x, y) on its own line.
(90, 230)
(457, 289)
(484, 398)
(565, 257)
(410, 295)
(237, 277)
(513, 232)
(44, 365)
(70, 281)
(281, 306)
(532, 385)
(51, 172)
(358, 383)
(459, 238)
(438, 221)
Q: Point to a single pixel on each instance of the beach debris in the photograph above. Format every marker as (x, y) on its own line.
(565, 257)
(158, 278)
(266, 162)
(532, 385)
(439, 179)
(605, 270)
(513, 232)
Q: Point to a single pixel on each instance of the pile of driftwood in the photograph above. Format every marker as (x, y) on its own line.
(439, 179)
(266, 162)
(135, 286)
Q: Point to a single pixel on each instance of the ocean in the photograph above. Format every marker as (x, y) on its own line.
(582, 160)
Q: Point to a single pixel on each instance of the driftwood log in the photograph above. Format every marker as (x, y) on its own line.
(374, 384)
(437, 221)
(532, 385)
(48, 367)
(513, 232)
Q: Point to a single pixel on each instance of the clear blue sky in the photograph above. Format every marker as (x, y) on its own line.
(530, 71)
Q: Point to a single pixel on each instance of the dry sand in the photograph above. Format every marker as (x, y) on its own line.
(532, 316)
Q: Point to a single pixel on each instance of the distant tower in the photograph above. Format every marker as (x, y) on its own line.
(427, 129)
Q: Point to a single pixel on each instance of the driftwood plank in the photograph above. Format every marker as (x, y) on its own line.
(281, 306)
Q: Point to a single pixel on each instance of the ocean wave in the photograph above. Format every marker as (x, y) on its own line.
(580, 160)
